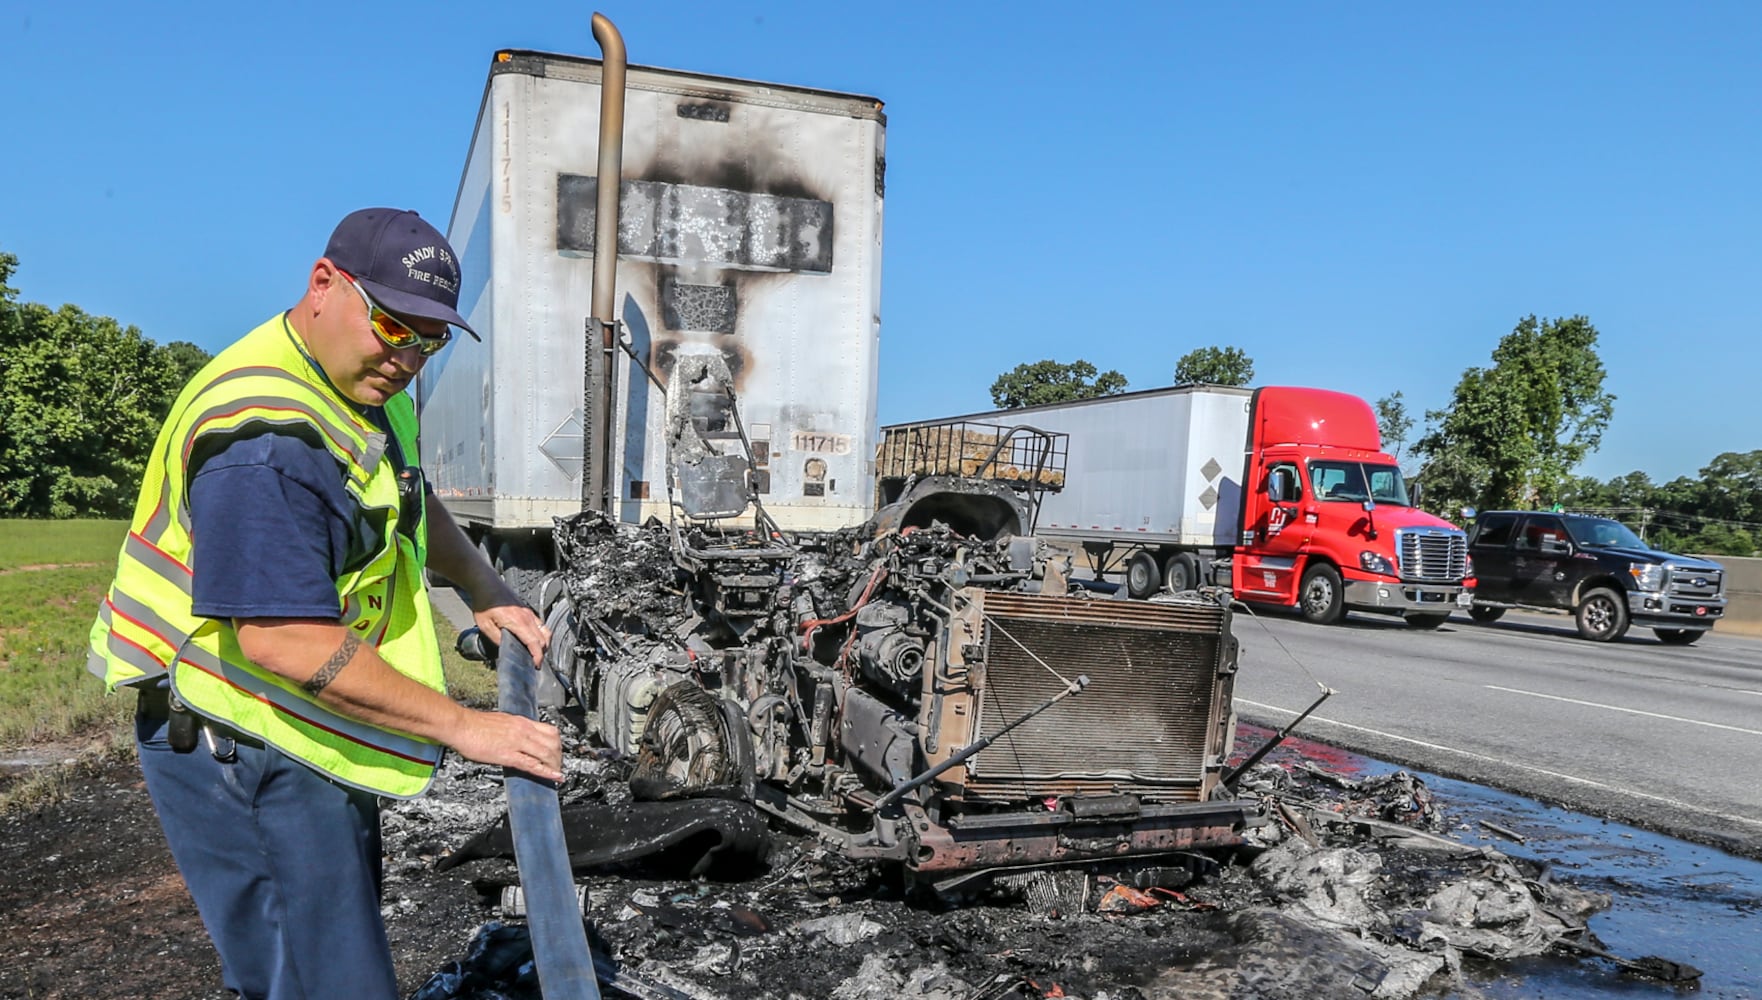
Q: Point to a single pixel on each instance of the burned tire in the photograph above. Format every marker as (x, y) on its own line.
(1143, 576)
(1180, 572)
(1321, 597)
(691, 748)
(1601, 615)
(1486, 614)
(1426, 621)
(1678, 636)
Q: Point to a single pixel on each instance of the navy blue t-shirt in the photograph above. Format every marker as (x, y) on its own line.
(269, 517)
(271, 526)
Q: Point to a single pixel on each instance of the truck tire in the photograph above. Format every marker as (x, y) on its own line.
(1143, 576)
(1678, 636)
(522, 567)
(1425, 621)
(1180, 572)
(1321, 597)
(1486, 614)
(1601, 615)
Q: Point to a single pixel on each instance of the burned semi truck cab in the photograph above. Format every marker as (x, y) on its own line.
(924, 688)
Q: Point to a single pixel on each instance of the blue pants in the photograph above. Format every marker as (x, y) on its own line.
(284, 866)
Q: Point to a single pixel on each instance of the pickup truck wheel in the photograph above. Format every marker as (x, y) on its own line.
(1143, 576)
(1426, 621)
(1486, 614)
(1321, 597)
(1677, 636)
(1602, 615)
(1180, 572)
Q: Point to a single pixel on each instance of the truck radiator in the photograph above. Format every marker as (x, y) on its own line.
(1432, 556)
(1151, 721)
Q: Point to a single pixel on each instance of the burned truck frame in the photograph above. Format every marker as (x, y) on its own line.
(926, 688)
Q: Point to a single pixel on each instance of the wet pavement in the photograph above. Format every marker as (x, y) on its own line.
(1670, 898)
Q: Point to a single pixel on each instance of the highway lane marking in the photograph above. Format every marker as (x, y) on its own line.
(1687, 807)
(1631, 711)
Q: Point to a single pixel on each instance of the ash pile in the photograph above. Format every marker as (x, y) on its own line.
(745, 852)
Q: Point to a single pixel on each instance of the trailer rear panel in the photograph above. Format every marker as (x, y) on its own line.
(750, 226)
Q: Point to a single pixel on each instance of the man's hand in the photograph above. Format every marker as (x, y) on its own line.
(511, 741)
(518, 619)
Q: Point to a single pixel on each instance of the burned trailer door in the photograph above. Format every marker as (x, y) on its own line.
(1132, 763)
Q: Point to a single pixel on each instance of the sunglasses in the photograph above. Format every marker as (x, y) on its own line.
(395, 332)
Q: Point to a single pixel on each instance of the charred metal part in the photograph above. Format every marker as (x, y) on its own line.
(1017, 838)
(1235, 773)
(712, 477)
(881, 741)
(970, 507)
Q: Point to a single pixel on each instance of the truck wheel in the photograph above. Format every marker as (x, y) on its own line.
(1180, 572)
(1425, 621)
(1321, 596)
(1142, 575)
(1677, 636)
(1486, 614)
(1602, 615)
(522, 567)
(689, 748)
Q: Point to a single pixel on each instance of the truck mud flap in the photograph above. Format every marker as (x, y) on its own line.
(559, 935)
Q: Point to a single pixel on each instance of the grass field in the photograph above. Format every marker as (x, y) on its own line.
(52, 577)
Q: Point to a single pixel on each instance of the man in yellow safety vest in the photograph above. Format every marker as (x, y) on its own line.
(270, 608)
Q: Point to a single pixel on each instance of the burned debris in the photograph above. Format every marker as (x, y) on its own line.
(1359, 906)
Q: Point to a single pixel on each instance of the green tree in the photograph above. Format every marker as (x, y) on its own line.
(1514, 432)
(1731, 487)
(1214, 366)
(1393, 423)
(1031, 384)
(81, 399)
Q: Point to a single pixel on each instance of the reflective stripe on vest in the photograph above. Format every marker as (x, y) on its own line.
(264, 383)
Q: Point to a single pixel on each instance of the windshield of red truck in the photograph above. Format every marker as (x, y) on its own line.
(1356, 482)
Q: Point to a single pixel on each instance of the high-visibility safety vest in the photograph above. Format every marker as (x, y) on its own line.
(145, 629)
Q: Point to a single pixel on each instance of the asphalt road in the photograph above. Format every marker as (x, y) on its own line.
(1664, 737)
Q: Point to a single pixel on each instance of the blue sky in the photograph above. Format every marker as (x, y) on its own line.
(1362, 196)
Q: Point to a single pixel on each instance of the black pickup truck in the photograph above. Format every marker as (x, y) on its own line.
(1594, 567)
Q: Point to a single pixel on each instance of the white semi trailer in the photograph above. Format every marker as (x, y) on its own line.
(749, 230)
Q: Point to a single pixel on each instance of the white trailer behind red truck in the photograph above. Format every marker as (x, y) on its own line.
(1282, 494)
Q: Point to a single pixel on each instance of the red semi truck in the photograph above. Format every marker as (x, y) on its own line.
(1282, 494)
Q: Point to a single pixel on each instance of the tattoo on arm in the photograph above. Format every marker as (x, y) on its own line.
(333, 666)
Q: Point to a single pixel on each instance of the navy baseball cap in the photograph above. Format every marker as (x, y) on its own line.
(404, 263)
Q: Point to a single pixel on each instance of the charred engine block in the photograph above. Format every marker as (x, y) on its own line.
(922, 689)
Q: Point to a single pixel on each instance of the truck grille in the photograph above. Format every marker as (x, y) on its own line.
(1432, 556)
(1149, 722)
(1695, 583)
